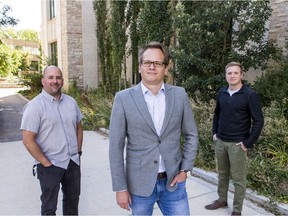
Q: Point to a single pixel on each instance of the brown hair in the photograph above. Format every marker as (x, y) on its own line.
(231, 64)
(154, 45)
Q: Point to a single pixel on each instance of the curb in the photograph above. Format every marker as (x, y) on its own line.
(24, 98)
(212, 178)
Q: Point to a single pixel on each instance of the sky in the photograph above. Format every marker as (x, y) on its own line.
(27, 11)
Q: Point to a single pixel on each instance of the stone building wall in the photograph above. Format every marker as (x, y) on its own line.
(71, 34)
(278, 26)
(278, 32)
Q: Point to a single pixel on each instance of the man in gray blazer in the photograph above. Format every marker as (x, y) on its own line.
(147, 163)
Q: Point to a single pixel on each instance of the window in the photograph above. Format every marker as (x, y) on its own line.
(53, 52)
(52, 9)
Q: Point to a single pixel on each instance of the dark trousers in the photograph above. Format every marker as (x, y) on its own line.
(50, 179)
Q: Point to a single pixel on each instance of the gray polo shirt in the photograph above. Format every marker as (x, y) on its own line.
(55, 123)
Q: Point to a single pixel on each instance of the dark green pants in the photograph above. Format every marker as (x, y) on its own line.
(231, 161)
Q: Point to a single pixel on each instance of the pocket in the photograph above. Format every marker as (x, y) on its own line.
(216, 143)
(50, 169)
(239, 148)
(182, 183)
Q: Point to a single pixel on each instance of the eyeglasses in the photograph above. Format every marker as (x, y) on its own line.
(157, 64)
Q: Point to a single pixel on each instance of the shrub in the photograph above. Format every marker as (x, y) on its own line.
(95, 105)
(268, 166)
(274, 137)
(268, 178)
(203, 114)
(272, 86)
(32, 81)
(97, 114)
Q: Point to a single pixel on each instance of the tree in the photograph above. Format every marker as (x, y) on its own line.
(103, 42)
(118, 26)
(10, 60)
(133, 10)
(6, 20)
(210, 34)
(24, 34)
(16, 58)
(25, 62)
(147, 21)
(4, 60)
(203, 37)
(154, 23)
(271, 86)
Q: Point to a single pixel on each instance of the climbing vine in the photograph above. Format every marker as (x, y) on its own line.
(201, 38)
(134, 8)
(101, 34)
(140, 21)
(154, 23)
(118, 40)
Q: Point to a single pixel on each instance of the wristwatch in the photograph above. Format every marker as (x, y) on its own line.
(80, 153)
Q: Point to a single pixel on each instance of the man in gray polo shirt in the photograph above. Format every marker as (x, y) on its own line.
(53, 135)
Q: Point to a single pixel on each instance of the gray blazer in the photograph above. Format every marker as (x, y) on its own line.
(131, 128)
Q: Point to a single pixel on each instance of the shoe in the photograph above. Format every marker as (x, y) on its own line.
(235, 213)
(216, 204)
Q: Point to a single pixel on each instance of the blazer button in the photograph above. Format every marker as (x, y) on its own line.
(159, 141)
(155, 161)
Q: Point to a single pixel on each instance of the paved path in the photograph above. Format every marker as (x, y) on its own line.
(20, 191)
(11, 106)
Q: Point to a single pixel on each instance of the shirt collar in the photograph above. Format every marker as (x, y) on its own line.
(50, 97)
(145, 89)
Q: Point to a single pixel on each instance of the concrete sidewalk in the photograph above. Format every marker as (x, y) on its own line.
(20, 191)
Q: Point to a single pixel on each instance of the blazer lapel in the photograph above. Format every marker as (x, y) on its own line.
(170, 100)
(139, 100)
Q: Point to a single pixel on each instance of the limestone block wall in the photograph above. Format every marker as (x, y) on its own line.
(278, 32)
(90, 55)
(278, 27)
(71, 43)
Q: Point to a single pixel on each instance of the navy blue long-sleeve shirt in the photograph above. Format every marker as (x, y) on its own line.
(238, 118)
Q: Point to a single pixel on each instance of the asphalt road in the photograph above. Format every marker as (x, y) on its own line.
(11, 110)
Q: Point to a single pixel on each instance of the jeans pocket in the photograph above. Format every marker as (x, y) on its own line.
(181, 183)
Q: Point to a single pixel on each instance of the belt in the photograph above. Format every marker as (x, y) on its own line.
(162, 175)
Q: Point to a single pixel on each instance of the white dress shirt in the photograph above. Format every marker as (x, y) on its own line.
(156, 105)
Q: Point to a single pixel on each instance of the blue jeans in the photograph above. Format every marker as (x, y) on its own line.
(50, 179)
(170, 203)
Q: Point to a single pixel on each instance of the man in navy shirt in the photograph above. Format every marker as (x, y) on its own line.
(237, 124)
